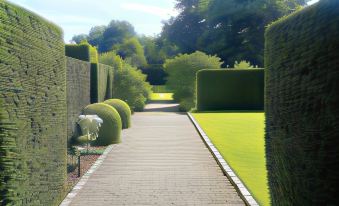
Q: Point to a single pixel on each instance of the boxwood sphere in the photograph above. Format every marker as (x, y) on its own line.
(110, 130)
(123, 110)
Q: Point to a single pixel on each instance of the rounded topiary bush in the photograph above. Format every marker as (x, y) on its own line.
(110, 130)
(123, 110)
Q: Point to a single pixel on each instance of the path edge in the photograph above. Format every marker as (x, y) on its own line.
(243, 192)
(83, 180)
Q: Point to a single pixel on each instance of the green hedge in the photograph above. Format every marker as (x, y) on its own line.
(230, 89)
(81, 52)
(110, 130)
(78, 93)
(101, 75)
(302, 115)
(123, 110)
(9, 186)
(33, 89)
(105, 82)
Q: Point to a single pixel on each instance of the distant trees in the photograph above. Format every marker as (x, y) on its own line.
(132, 51)
(231, 29)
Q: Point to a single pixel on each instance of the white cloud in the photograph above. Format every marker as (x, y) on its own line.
(149, 9)
(312, 2)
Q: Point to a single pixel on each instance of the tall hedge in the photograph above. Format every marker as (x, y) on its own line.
(302, 113)
(230, 89)
(101, 75)
(78, 92)
(105, 82)
(10, 162)
(33, 89)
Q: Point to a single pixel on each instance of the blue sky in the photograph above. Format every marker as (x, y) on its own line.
(78, 16)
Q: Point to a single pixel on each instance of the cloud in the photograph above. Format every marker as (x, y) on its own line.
(149, 9)
(310, 2)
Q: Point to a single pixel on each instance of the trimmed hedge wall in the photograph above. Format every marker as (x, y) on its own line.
(9, 186)
(302, 113)
(101, 75)
(110, 130)
(33, 90)
(230, 89)
(78, 92)
(77, 51)
(105, 82)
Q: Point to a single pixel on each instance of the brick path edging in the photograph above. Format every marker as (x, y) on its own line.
(85, 177)
(239, 186)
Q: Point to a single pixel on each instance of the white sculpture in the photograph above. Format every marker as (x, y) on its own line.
(90, 125)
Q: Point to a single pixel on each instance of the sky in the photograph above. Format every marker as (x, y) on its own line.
(79, 16)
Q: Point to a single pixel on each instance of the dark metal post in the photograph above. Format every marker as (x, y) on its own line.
(79, 165)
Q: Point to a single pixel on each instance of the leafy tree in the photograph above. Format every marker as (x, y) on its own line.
(132, 51)
(115, 33)
(129, 83)
(231, 29)
(79, 38)
(182, 75)
(111, 59)
(95, 36)
(243, 64)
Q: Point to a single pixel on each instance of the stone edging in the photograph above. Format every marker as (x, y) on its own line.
(239, 186)
(68, 199)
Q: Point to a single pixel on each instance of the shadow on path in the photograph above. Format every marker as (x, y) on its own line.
(162, 106)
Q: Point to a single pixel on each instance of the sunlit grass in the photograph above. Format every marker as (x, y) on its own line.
(239, 137)
(161, 96)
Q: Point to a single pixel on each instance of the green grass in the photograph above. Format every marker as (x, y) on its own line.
(161, 96)
(239, 137)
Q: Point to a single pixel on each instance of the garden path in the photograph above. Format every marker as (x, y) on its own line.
(162, 161)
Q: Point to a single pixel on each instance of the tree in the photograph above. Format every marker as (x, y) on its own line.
(95, 36)
(111, 59)
(231, 29)
(129, 83)
(182, 75)
(79, 38)
(115, 33)
(243, 64)
(132, 51)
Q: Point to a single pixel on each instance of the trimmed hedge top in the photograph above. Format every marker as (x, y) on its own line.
(123, 110)
(110, 130)
(230, 89)
(302, 113)
(81, 52)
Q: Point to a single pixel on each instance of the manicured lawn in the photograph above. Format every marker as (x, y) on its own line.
(161, 96)
(239, 137)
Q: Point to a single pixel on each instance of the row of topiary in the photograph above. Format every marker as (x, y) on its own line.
(116, 115)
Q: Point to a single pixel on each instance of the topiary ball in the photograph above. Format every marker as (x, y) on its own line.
(110, 130)
(123, 110)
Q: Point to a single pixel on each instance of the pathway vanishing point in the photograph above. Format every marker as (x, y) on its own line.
(161, 161)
